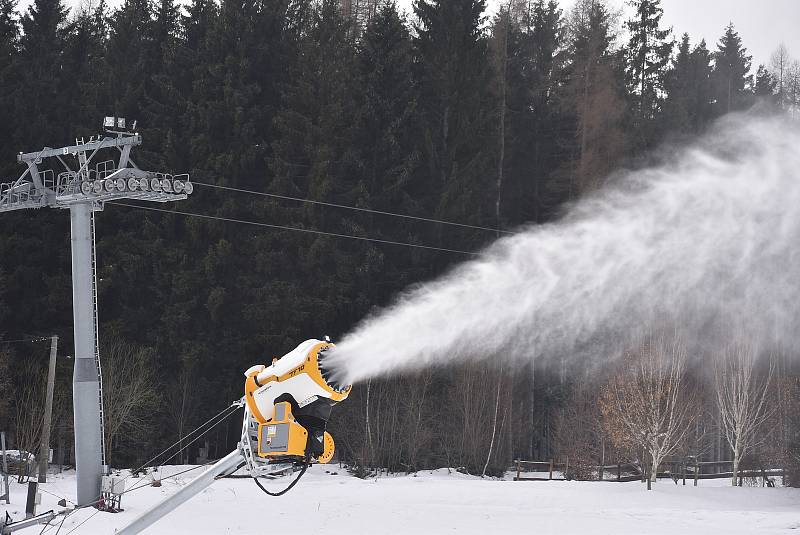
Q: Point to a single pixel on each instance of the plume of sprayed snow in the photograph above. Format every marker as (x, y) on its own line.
(710, 238)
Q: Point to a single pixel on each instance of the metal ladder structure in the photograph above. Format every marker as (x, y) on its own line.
(96, 323)
(83, 173)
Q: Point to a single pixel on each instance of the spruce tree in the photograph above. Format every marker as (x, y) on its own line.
(45, 96)
(648, 55)
(9, 35)
(454, 74)
(128, 60)
(314, 125)
(387, 112)
(166, 89)
(731, 72)
(542, 39)
(315, 157)
(701, 104)
(196, 24)
(688, 87)
(528, 57)
(593, 90)
(536, 72)
(84, 60)
(9, 84)
(241, 71)
(765, 85)
(678, 86)
(387, 155)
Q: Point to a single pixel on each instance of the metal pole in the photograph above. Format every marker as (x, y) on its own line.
(5, 529)
(222, 467)
(5, 466)
(44, 450)
(32, 500)
(85, 382)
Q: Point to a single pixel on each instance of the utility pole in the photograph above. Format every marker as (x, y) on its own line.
(7, 492)
(44, 450)
(83, 185)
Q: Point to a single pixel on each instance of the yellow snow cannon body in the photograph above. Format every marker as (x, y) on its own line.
(291, 400)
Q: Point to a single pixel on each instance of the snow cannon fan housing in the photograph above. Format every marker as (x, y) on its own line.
(291, 400)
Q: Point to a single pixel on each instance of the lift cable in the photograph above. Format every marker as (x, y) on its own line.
(355, 208)
(296, 229)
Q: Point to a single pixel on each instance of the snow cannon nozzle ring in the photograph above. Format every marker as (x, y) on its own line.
(329, 374)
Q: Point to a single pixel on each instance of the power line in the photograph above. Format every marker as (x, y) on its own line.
(296, 229)
(220, 417)
(143, 484)
(356, 208)
(82, 523)
(42, 339)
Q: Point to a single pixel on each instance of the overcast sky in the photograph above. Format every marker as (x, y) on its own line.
(763, 24)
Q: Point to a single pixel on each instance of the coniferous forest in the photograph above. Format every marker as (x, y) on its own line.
(444, 114)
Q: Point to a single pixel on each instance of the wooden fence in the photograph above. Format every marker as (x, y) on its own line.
(548, 466)
(677, 470)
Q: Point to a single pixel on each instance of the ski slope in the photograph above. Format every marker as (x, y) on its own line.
(435, 502)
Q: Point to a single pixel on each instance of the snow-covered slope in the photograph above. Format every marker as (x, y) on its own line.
(438, 502)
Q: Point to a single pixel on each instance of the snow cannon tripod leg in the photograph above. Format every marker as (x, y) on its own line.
(224, 466)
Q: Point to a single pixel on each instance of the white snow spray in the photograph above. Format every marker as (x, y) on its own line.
(709, 238)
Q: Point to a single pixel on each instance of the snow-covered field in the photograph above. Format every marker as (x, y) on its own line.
(436, 502)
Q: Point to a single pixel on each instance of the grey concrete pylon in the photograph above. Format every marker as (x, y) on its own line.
(85, 380)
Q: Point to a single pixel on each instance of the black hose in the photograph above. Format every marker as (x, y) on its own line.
(287, 489)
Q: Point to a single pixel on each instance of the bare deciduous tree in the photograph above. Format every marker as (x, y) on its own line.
(793, 87)
(181, 405)
(578, 437)
(28, 408)
(418, 419)
(129, 391)
(5, 386)
(647, 406)
(742, 398)
(470, 409)
(780, 63)
(494, 421)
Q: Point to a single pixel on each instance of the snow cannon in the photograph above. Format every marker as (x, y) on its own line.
(286, 409)
(291, 401)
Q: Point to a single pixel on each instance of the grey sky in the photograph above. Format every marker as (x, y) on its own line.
(762, 24)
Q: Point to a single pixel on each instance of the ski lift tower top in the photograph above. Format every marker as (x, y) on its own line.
(74, 179)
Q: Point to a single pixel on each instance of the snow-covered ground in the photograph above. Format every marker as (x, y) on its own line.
(436, 502)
